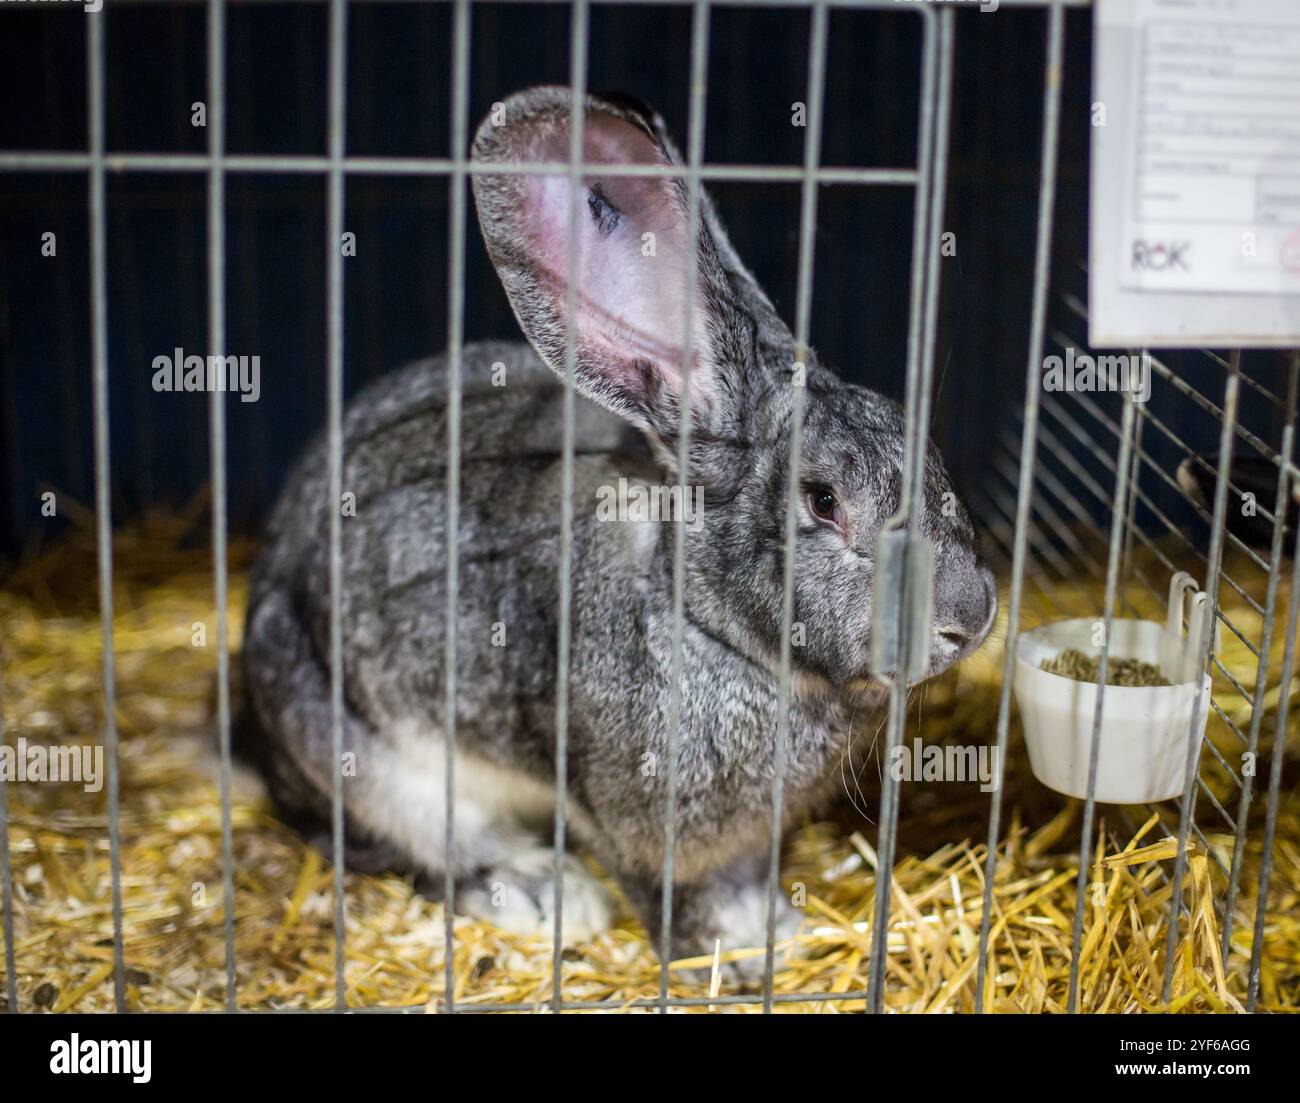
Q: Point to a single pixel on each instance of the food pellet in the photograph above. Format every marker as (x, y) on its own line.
(1073, 663)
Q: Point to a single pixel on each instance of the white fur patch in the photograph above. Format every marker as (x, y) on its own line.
(521, 898)
(400, 793)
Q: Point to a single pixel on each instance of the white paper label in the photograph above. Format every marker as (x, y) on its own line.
(1195, 234)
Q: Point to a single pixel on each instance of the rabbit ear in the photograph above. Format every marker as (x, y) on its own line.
(632, 264)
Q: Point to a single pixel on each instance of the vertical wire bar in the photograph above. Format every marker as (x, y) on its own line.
(803, 311)
(1275, 776)
(1265, 648)
(1231, 391)
(932, 156)
(455, 340)
(1053, 76)
(217, 423)
(1117, 528)
(6, 879)
(103, 504)
(1130, 522)
(334, 402)
(577, 118)
(695, 152)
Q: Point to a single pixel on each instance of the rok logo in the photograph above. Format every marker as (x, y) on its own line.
(1160, 256)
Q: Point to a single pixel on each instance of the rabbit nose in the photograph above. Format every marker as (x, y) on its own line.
(964, 608)
(956, 636)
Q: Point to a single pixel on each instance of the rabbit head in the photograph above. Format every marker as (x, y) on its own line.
(630, 298)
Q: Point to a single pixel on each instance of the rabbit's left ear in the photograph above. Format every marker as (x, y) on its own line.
(631, 237)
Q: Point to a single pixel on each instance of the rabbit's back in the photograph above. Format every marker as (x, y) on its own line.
(394, 518)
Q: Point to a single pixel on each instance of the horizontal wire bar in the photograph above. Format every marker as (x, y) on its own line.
(1053, 407)
(1214, 657)
(1286, 447)
(1213, 852)
(1236, 780)
(1201, 461)
(1046, 479)
(533, 1007)
(1261, 389)
(1209, 794)
(1210, 849)
(1214, 357)
(1000, 502)
(1087, 403)
(1205, 650)
(886, 5)
(1009, 473)
(1227, 720)
(1154, 592)
(1006, 511)
(1174, 530)
(74, 161)
(1170, 376)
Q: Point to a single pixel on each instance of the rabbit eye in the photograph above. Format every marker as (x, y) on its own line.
(823, 505)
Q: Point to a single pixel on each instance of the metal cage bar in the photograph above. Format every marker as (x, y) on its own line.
(6, 880)
(936, 83)
(803, 305)
(338, 52)
(1274, 782)
(1094, 753)
(103, 501)
(577, 119)
(37, 161)
(1052, 79)
(455, 343)
(217, 416)
(694, 155)
(1265, 651)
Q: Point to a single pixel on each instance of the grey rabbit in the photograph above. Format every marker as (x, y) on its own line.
(629, 326)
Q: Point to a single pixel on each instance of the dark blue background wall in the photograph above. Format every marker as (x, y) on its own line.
(399, 104)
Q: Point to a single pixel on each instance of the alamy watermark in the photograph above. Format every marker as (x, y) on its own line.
(240, 375)
(634, 501)
(82, 763)
(100, 1056)
(90, 6)
(940, 763)
(983, 5)
(1122, 373)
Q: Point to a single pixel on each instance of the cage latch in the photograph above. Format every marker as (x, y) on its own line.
(904, 606)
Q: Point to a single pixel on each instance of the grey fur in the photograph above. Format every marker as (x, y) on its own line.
(394, 565)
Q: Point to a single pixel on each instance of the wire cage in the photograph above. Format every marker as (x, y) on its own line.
(1050, 475)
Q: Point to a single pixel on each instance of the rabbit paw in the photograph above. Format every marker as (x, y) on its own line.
(520, 898)
(737, 920)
